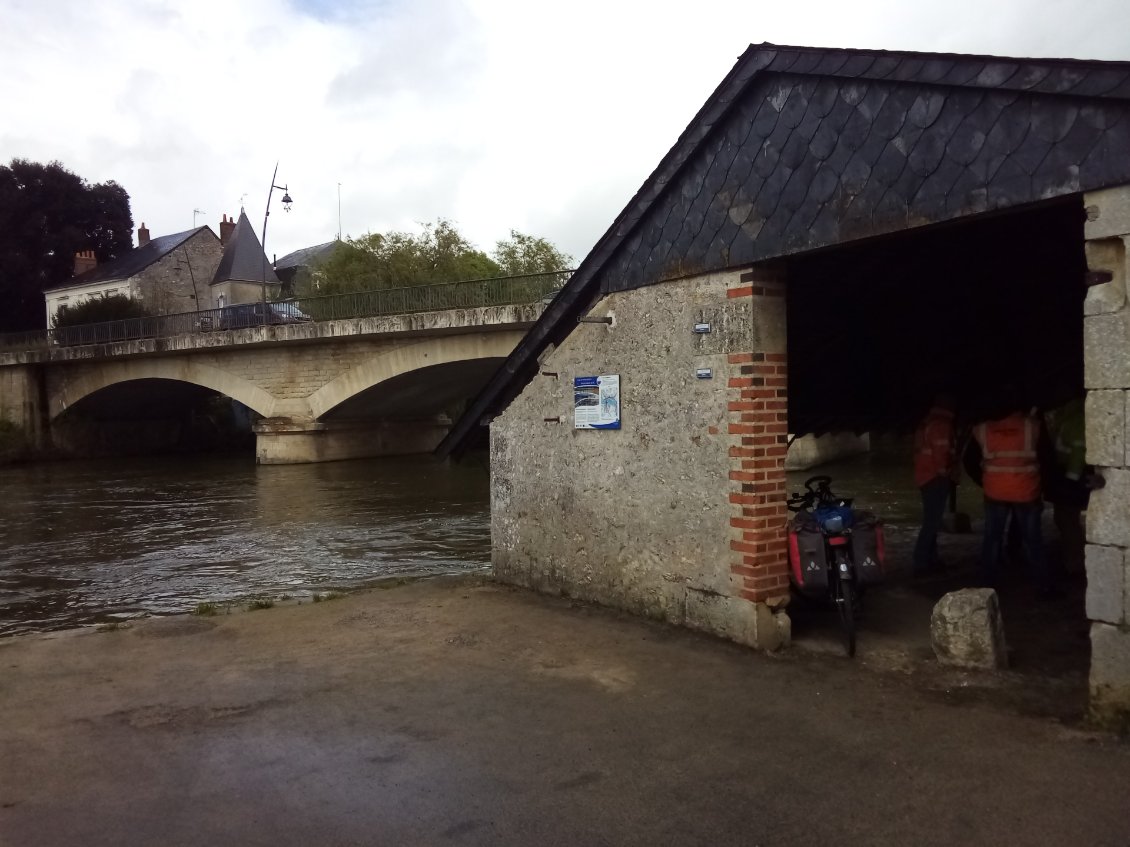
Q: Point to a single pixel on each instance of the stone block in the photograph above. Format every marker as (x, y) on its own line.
(1108, 513)
(966, 630)
(1106, 428)
(1110, 676)
(1106, 254)
(751, 624)
(1108, 212)
(1106, 350)
(1106, 583)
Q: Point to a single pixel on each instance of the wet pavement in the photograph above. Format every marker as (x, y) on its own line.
(458, 712)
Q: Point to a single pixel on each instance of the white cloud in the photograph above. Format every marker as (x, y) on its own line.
(540, 117)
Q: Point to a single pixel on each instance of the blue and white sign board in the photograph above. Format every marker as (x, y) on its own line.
(596, 402)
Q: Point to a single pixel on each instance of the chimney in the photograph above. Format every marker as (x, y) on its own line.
(227, 227)
(142, 235)
(85, 261)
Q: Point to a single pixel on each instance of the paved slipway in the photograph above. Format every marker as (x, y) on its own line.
(460, 712)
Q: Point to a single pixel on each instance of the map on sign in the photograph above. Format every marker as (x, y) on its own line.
(596, 402)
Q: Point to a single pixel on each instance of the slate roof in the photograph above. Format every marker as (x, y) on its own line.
(303, 257)
(800, 148)
(133, 262)
(243, 258)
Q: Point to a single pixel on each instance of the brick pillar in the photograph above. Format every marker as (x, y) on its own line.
(1106, 348)
(758, 434)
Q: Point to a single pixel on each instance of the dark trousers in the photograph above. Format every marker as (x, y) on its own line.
(1027, 519)
(935, 495)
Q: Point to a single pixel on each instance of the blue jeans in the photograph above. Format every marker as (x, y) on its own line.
(1027, 518)
(935, 494)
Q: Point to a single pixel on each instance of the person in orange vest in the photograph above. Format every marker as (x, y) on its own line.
(935, 471)
(1012, 451)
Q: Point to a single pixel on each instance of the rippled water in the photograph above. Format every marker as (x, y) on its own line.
(82, 542)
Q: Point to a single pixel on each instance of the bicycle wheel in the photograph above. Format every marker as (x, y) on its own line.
(845, 605)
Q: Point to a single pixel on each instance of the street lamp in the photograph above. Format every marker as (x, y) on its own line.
(286, 201)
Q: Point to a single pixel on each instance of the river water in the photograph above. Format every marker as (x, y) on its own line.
(88, 542)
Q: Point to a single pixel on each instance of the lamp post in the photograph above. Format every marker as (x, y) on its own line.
(286, 201)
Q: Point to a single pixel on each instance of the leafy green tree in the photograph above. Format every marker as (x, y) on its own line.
(47, 214)
(114, 307)
(440, 253)
(527, 254)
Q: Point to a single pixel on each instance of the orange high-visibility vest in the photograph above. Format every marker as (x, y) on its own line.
(935, 453)
(1008, 458)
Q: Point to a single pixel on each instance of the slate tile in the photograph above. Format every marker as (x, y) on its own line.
(1030, 153)
(858, 65)
(1053, 124)
(838, 116)
(935, 70)
(823, 142)
(1063, 80)
(927, 154)
(926, 107)
(824, 97)
(855, 130)
(853, 92)
(893, 113)
(996, 73)
(792, 112)
(1028, 77)
(889, 165)
(883, 67)
(795, 151)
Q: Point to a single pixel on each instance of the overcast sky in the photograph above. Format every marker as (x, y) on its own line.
(536, 116)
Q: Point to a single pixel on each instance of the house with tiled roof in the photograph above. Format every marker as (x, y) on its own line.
(168, 274)
(184, 272)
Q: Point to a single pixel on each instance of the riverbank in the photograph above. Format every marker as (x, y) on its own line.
(458, 711)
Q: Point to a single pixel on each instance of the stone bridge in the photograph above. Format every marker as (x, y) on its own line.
(320, 391)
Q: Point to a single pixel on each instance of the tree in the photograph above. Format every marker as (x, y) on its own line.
(47, 214)
(401, 259)
(528, 254)
(440, 253)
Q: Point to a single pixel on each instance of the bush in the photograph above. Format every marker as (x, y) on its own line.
(116, 307)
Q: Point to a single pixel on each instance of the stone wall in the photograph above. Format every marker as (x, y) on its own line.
(679, 514)
(1107, 376)
(167, 286)
(21, 402)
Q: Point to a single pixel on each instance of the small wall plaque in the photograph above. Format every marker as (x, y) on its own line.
(704, 373)
(702, 328)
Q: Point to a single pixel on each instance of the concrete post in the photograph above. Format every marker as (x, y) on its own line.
(1107, 378)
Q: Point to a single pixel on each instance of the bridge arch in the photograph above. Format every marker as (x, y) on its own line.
(93, 378)
(424, 354)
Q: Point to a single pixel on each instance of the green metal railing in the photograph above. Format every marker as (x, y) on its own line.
(471, 294)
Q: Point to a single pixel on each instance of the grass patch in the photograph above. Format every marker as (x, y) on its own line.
(329, 595)
(111, 626)
(206, 610)
(260, 603)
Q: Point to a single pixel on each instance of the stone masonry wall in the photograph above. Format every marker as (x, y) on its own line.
(166, 286)
(1107, 376)
(678, 515)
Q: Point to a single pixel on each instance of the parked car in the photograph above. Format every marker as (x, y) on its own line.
(245, 315)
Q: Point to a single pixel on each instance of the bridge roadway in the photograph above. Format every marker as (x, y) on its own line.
(325, 390)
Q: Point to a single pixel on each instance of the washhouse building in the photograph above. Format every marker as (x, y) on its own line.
(837, 236)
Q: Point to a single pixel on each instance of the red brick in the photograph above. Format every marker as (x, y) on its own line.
(739, 358)
(743, 291)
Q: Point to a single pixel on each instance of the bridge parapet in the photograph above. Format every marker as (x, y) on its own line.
(418, 309)
(446, 322)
